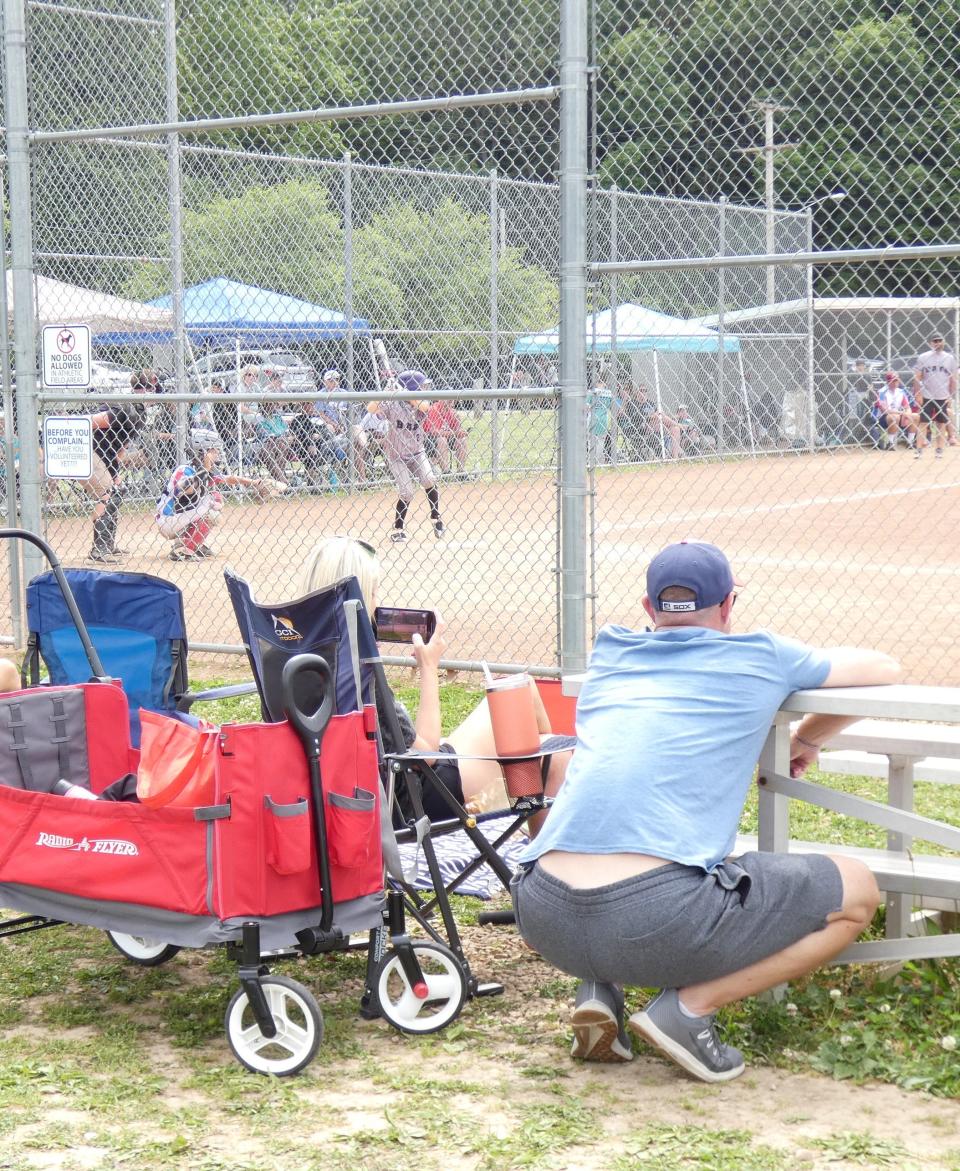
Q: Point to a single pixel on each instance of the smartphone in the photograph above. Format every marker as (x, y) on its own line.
(396, 624)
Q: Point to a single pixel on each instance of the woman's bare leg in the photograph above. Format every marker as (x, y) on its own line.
(482, 780)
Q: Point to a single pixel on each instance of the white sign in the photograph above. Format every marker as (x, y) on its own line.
(68, 447)
(66, 355)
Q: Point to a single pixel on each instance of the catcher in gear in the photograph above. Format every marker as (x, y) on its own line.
(192, 502)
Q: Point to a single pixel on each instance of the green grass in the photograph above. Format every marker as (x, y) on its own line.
(104, 1064)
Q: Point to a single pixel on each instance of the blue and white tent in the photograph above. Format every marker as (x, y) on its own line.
(632, 328)
(670, 354)
(218, 311)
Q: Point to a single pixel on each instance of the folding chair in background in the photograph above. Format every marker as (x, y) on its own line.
(137, 627)
(333, 623)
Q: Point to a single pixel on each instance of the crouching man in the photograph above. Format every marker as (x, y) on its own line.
(630, 879)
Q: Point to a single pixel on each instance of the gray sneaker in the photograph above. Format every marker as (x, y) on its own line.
(691, 1042)
(597, 1019)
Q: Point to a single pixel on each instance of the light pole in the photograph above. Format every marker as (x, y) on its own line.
(769, 108)
(807, 209)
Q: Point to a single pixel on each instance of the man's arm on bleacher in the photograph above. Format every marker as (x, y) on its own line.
(849, 667)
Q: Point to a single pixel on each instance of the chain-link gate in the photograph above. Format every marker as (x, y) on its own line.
(241, 260)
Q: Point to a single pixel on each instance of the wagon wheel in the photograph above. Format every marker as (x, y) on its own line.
(299, 1023)
(433, 1005)
(142, 949)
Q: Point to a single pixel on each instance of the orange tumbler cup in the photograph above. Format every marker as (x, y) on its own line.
(515, 733)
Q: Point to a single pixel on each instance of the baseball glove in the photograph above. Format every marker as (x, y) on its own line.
(267, 489)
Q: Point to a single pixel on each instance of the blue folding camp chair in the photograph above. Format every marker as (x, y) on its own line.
(137, 626)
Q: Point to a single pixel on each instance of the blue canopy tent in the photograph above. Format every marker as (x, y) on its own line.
(217, 311)
(635, 330)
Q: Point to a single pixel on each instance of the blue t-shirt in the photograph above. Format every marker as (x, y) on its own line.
(669, 728)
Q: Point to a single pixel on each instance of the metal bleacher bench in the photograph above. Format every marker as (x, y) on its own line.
(874, 748)
(908, 733)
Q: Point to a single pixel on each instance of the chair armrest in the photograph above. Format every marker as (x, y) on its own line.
(186, 701)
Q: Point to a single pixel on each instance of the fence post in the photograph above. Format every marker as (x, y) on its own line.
(573, 314)
(174, 202)
(13, 552)
(352, 415)
(811, 369)
(20, 210)
(495, 437)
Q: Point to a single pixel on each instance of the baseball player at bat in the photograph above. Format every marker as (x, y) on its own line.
(403, 444)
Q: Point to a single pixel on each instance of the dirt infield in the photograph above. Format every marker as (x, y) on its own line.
(838, 547)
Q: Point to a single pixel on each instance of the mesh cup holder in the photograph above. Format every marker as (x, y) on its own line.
(523, 778)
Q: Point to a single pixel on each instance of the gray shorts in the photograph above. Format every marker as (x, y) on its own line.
(676, 925)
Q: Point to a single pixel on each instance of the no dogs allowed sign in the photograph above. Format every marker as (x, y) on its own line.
(66, 355)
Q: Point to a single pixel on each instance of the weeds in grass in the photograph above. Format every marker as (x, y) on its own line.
(685, 1148)
(892, 1029)
(865, 1149)
(542, 1131)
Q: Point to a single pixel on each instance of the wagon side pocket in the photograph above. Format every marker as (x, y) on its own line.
(352, 828)
(288, 835)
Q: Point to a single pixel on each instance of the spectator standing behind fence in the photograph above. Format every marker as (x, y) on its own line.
(218, 416)
(861, 398)
(894, 411)
(404, 448)
(249, 412)
(276, 448)
(115, 427)
(934, 384)
(600, 406)
(160, 436)
(444, 433)
(630, 881)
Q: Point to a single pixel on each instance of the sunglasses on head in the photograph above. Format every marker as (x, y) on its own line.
(365, 545)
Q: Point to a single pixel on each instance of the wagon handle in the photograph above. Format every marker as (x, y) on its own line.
(295, 684)
(306, 675)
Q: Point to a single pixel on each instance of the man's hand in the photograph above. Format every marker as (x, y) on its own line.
(802, 755)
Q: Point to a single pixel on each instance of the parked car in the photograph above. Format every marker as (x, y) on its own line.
(109, 376)
(297, 373)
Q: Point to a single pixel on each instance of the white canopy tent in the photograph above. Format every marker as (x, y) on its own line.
(58, 303)
(885, 332)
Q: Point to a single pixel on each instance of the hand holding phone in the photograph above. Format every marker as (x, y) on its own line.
(399, 624)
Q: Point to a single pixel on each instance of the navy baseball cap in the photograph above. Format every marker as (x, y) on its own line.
(699, 567)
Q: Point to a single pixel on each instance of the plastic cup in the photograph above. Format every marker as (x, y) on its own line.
(515, 733)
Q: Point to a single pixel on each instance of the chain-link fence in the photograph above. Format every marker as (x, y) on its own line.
(782, 410)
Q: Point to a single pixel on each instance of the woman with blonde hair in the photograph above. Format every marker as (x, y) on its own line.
(478, 784)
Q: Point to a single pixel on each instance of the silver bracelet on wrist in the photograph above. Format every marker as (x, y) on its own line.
(806, 743)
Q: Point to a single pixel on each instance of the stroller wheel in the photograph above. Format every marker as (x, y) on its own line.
(142, 950)
(437, 1006)
(296, 1015)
